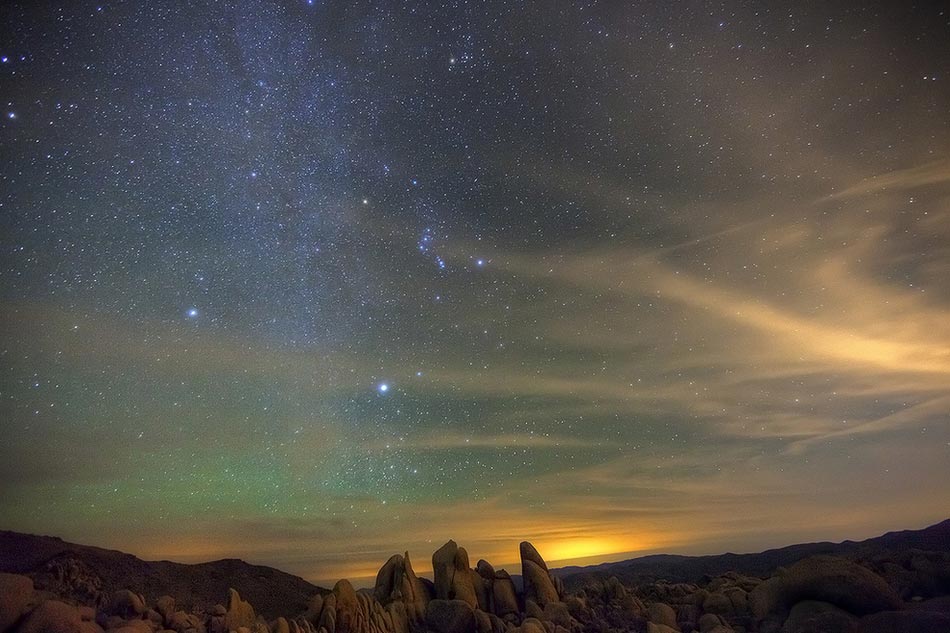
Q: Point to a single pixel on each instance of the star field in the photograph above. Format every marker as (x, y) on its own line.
(309, 283)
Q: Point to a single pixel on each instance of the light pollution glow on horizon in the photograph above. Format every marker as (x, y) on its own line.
(640, 296)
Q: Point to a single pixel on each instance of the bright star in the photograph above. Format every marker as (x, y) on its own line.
(382, 387)
(192, 313)
(479, 262)
(11, 115)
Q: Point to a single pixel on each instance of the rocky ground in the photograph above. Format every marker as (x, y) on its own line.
(902, 589)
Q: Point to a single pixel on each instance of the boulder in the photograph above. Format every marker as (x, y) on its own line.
(614, 591)
(746, 583)
(397, 614)
(531, 625)
(529, 552)
(16, 594)
(504, 597)
(314, 607)
(718, 603)
(482, 588)
(453, 580)
(709, 622)
(111, 621)
(811, 616)
(578, 608)
(497, 624)
(184, 623)
(347, 606)
(653, 627)
(240, 613)
(218, 619)
(386, 578)
(165, 605)
(557, 613)
(217, 624)
(52, 616)
(396, 581)
(738, 598)
(327, 620)
(662, 613)
(826, 579)
(450, 616)
(126, 604)
(485, 569)
(532, 610)
(483, 623)
(632, 605)
(538, 585)
(154, 617)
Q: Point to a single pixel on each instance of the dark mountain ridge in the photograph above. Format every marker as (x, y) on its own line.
(678, 568)
(83, 570)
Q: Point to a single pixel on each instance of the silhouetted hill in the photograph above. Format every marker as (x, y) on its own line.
(674, 568)
(81, 570)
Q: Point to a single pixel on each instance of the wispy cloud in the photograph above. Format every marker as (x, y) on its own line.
(933, 173)
(506, 441)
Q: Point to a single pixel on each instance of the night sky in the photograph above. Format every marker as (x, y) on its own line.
(311, 283)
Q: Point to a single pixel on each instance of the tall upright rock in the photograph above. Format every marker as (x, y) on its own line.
(504, 596)
(483, 580)
(453, 577)
(538, 586)
(240, 613)
(347, 607)
(397, 582)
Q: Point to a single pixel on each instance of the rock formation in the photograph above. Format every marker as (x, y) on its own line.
(827, 579)
(538, 585)
(452, 575)
(397, 583)
(17, 593)
(240, 613)
(52, 616)
(904, 591)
